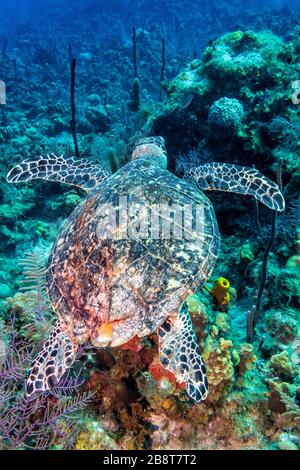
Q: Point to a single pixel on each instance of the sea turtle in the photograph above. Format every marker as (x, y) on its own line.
(130, 254)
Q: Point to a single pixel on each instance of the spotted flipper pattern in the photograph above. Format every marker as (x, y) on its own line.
(237, 179)
(57, 355)
(180, 354)
(71, 170)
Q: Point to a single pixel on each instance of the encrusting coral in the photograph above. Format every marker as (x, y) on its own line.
(247, 360)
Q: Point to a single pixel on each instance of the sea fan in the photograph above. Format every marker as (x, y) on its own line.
(32, 302)
(294, 208)
(48, 418)
(285, 225)
(34, 274)
(186, 161)
(41, 422)
(287, 132)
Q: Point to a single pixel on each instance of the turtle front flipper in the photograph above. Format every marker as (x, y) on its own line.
(180, 354)
(57, 355)
(76, 172)
(237, 179)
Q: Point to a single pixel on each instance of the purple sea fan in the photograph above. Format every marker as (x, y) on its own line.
(40, 421)
(49, 417)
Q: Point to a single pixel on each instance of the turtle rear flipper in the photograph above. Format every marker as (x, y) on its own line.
(76, 172)
(180, 354)
(237, 179)
(57, 355)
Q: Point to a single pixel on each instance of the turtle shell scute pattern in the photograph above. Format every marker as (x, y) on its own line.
(134, 282)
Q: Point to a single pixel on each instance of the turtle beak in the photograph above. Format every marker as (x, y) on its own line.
(103, 336)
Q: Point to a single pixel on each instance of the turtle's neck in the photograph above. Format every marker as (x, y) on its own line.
(156, 160)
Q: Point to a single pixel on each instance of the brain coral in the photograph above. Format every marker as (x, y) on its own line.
(225, 115)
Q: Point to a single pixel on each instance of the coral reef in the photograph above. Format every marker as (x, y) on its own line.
(230, 104)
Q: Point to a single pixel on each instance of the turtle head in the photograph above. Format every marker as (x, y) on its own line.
(151, 147)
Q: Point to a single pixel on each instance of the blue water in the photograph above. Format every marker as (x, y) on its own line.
(185, 24)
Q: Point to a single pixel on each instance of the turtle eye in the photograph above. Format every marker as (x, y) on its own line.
(160, 141)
